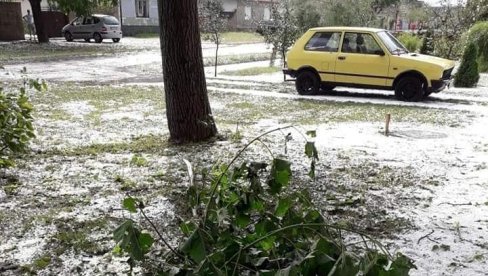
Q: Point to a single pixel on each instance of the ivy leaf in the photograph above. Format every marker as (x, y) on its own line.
(280, 175)
(130, 204)
(195, 247)
(283, 205)
(311, 151)
(145, 242)
(312, 133)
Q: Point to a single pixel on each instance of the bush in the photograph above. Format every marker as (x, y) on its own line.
(478, 34)
(412, 42)
(250, 220)
(427, 47)
(468, 75)
(15, 121)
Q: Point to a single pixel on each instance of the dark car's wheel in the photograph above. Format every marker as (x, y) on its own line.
(97, 37)
(410, 89)
(68, 36)
(87, 39)
(116, 40)
(326, 87)
(307, 83)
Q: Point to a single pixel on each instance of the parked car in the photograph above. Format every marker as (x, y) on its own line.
(326, 57)
(97, 27)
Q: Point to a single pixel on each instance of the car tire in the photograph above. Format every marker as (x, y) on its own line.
(87, 39)
(427, 94)
(409, 89)
(307, 83)
(97, 37)
(326, 87)
(68, 36)
(116, 40)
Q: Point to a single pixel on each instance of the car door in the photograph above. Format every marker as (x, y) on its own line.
(361, 60)
(321, 53)
(87, 27)
(77, 27)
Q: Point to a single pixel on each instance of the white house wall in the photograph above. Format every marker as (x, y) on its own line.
(129, 17)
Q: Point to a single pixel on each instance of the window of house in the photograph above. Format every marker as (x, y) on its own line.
(142, 8)
(266, 14)
(247, 13)
(324, 41)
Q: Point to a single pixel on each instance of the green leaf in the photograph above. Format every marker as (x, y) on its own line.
(311, 151)
(130, 204)
(242, 220)
(187, 227)
(195, 247)
(312, 133)
(145, 242)
(283, 205)
(280, 175)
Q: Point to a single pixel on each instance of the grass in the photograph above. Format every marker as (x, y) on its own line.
(240, 37)
(27, 51)
(252, 71)
(233, 59)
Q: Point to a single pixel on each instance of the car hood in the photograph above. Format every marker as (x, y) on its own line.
(444, 63)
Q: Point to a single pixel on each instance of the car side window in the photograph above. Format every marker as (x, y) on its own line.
(88, 21)
(324, 41)
(360, 43)
(78, 21)
(96, 20)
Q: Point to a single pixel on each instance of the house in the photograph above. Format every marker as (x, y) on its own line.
(141, 16)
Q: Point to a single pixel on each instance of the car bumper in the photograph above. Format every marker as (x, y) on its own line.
(290, 72)
(439, 85)
(109, 35)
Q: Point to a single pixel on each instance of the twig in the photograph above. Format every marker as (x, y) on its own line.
(456, 204)
(160, 236)
(425, 236)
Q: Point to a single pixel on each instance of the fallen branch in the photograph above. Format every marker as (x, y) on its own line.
(456, 204)
(425, 236)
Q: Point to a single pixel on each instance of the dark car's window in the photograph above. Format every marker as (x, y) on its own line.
(77, 21)
(96, 20)
(110, 20)
(324, 41)
(88, 21)
(360, 43)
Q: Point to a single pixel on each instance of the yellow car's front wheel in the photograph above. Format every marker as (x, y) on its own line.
(410, 89)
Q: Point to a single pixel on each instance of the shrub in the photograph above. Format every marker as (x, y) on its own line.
(250, 220)
(412, 42)
(468, 75)
(427, 47)
(478, 34)
(16, 121)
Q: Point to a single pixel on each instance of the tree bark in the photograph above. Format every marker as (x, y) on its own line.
(42, 36)
(187, 106)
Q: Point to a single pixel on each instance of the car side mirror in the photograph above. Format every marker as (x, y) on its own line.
(379, 53)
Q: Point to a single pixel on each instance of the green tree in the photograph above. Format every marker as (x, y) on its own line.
(213, 22)
(468, 74)
(187, 106)
(284, 31)
(478, 34)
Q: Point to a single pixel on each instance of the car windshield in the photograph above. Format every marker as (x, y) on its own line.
(110, 20)
(393, 45)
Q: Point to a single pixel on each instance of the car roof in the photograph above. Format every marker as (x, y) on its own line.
(101, 15)
(350, 29)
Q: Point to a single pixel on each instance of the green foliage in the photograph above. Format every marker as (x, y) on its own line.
(468, 75)
(410, 41)
(251, 221)
(212, 23)
(284, 30)
(427, 47)
(138, 160)
(16, 120)
(307, 17)
(478, 34)
(81, 7)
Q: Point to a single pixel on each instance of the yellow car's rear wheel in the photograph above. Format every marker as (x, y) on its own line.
(307, 83)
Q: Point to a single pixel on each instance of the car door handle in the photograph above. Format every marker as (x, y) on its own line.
(342, 58)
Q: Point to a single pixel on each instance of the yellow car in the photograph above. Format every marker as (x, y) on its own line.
(326, 57)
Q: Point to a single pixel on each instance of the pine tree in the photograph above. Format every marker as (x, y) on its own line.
(468, 75)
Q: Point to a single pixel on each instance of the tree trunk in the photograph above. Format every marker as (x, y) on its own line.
(217, 42)
(187, 107)
(42, 36)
